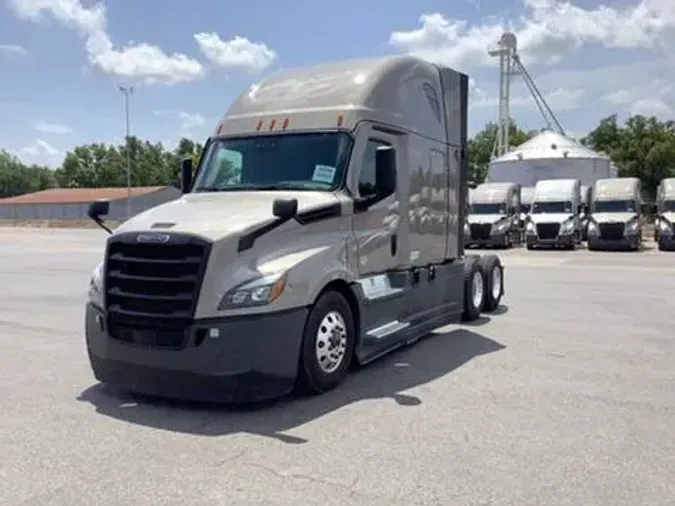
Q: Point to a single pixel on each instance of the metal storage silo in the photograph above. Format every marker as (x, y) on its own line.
(550, 155)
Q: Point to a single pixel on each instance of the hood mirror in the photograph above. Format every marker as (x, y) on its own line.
(285, 209)
(97, 209)
(186, 175)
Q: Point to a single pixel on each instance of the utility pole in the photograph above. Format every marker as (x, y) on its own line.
(127, 90)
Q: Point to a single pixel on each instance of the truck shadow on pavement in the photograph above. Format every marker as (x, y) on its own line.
(429, 359)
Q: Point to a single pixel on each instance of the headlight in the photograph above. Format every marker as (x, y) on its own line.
(466, 228)
(95, 294)
(631, 226)
(568, 226)
(592, 227)
(501, 226)
(665, 227)
(258, 292)
(530, 227)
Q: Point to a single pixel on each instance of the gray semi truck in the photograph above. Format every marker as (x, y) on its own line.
(554, 217)
(292, 253)
(664, 225)
(615, 219)
(494, 216)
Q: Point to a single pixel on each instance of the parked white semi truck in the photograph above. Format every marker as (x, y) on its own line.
(554, 218)
(664, 225)
(291, 254)
(494, 216)
(615, 219)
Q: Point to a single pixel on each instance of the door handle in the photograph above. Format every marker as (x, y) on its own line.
(393, 244)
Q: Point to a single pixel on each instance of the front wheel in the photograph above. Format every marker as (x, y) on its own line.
(328, 344)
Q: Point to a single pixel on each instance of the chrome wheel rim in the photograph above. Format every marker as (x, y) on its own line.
(477, 289)
(331, 342)
(496, 282)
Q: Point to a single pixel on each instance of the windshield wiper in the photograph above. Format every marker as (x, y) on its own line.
(256, 187)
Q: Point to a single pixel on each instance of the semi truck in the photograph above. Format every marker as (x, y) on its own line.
(291, 255)
(554, 218)
(586, 192)
(494, 216)
(615, 219)
(664, 224)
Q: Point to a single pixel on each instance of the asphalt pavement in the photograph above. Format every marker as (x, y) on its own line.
(565, 397)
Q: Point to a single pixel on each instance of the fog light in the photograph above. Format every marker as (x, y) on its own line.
(214, 333)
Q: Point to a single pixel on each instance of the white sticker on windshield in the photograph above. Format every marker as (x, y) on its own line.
(323, 173)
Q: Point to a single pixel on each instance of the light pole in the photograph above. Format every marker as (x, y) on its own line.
(127, 90)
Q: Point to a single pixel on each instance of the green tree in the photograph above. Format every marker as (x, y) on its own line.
(17, 178)
(482, 145)
(643, 147)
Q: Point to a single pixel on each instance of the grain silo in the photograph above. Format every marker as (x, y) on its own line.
(550, 155)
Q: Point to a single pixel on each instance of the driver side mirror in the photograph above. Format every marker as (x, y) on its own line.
(96, 210)
(186, 175)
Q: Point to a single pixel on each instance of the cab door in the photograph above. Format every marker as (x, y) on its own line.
(378, 223)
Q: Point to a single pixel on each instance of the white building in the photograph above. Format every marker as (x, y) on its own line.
(550, 155)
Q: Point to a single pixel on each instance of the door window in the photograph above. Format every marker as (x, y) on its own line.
(368, 178)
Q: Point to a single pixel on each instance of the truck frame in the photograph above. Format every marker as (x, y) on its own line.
(297, 249)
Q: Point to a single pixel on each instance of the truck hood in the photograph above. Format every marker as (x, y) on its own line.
(484, 218)
(550, 217)
(613, 217)
(217, 215)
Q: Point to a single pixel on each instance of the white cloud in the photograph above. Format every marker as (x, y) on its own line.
(551, 32)
(140, 62)
(548, 31)
(39, 153)
(52, 128)
(13, 49)
(649, 99)
(191, 125)
(237, 53)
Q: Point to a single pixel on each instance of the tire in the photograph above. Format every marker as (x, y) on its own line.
(473, 302)
(331, 312)
(492, 271)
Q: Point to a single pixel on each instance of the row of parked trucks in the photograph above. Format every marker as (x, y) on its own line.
(563, 213)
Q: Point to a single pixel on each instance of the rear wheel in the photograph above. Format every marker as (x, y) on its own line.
(493, 282)
(474, 292)
(328, 344)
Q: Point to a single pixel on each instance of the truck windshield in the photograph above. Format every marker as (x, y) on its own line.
(487, 209)
(551, 207)
(614, 206)
(314, 162)
(669, 206)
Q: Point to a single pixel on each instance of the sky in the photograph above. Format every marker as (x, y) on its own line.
(62, 61)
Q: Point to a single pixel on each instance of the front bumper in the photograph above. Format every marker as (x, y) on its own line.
(497, 239)
(625, 242)
(666, 242)
(253, 359)
(561, 240)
